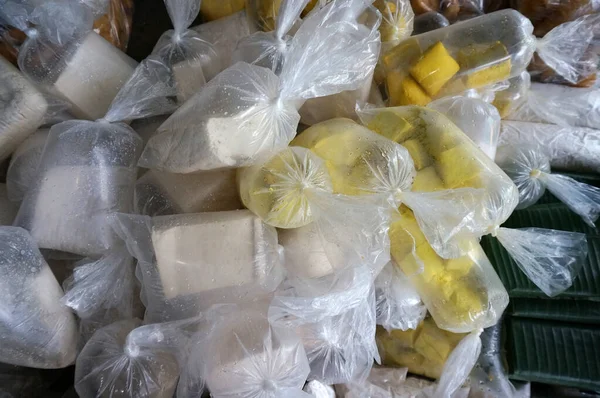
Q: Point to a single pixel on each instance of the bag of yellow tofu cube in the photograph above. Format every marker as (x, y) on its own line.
(248, 110)
(397, 19)
(268, 49)
(362, 163)
(479, 52)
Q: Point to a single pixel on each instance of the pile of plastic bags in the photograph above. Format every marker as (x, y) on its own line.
(286, 201)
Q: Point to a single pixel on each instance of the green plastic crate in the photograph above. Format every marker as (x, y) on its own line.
(564, 310)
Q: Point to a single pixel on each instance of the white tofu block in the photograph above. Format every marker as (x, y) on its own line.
(188, 78)
(306, 252)
(22, 108)
(72, 205)
(202, 192)
(8, 209)
(23, 165)
(93, 77)
(200, 252)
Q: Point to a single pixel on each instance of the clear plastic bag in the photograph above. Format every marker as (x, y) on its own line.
(8, 209)
(244, 356)
(159, 193)
(561, 105)
(64, 56)
(381, 383)
(23, 165)
(423, 350)
(398, 305)
(319, 390)
(268, 49)
(127, 358)
(453, 176)
(568, 148)
(479, 52)
(510, 97)
(247, 110)
(397, 19)
(187, 263)
(479, 120)
(429, 21)
(529, 168)
(340, 347)
(36, 329)
(23, 108)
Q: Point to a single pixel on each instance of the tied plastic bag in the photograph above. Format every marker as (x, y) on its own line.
(247, 110)
(561, 105)
(398, 305)
(268, 49)
(97, 161)
(511, 94)
(64, 56)
(529, 168)
(397, 19)
(244, 356)
(188, 262)
(479, 120)
(189, 57)
(159, 193)
(453, 177)
(36, 329)
(479, 52)
(339, 342)
(381, 383)
(23, 165)
(568, 148)
(22, 111)
(139, 361)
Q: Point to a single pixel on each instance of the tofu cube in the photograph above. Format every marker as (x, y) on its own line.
(404, 90)
(459, 168)
(392, 126)
(418, 153)
(435, 68)
(427, 180)
(485, 65)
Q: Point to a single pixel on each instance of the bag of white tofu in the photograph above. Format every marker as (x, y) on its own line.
(529, 168)
(568, 148)
(22, 108)
(64, 56)
(160, 193)
(479, 120)
(247, 110)
(340, 346)
(20, 175)
(188, 262)
(268, 49)
(126, 358)
(398, 304)
(245, 356)
(36, 329)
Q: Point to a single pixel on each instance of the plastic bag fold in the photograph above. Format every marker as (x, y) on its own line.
(247, 110)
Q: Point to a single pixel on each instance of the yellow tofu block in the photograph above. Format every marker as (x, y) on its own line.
(503, 106)
(392, 126)
(433, 266)
(408, 337)
(404, 90)
(404, 235)
(459, 266)
(418, 153)
(406, 52)
(432, 344)
(341, 180)
(467, 302)
(485, 65)
(440, 138)
(427, 180)
(435, 68)
(458, 166)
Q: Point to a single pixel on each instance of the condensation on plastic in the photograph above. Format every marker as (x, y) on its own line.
(398, 304)
(268, 49)
(64, 56)
(449, 166)
(511, 96)
(479, 52)
(459, 364)
(244, 356)
(568, 148)
(340, 348)
(87, 171)
(561, 105)
(397, 18)
(479, 120)
(22, 110)
(128, 358)
(247, 110)
(36, 329)
(186, 263)
(23, 165)
(381, 383)
(158, 193)
(280, 189)
(8, 209)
